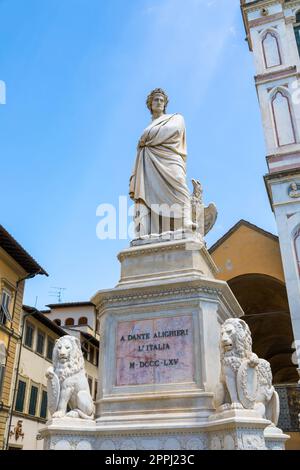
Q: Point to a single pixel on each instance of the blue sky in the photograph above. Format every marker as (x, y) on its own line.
(77, 74)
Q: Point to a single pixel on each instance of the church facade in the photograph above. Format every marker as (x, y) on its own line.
(273, 35)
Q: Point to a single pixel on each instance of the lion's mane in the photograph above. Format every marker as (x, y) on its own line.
(75, 362)
(242, 340)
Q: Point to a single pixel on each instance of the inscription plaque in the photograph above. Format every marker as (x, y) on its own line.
(155, 351)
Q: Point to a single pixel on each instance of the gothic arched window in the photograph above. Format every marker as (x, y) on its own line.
(271, 50)
(297, 30)
(283, 119)
(82, 321)
(57, 321)
(69, 322)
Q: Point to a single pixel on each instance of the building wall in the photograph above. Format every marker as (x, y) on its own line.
(277, 65)
(63, 313)
(32, 370)
(10, 273)
(248, 251)
(30, 440)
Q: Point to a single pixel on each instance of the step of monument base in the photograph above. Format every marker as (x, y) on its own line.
(155, 407)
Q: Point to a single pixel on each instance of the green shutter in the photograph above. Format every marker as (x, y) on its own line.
(50, 347)
(297, 34)
(33, 400)
(20, 396)
(44, 402)
(29, 335)
(40, 343)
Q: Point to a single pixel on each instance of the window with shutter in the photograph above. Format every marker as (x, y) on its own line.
(29, 335)
(4, 308)
(40, 343)
(20, 396)
(50, 347)
(33, 400)
(297, 31)
(44, 401)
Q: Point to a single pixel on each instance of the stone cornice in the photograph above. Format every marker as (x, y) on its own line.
(158, 247)
(276, 75)
(153, 294)
(171, 291)
(282, 175)
(155, 248)
(259, 4)
(265, 20)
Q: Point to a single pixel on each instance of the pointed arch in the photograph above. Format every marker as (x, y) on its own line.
(283, 117)
(271, 48)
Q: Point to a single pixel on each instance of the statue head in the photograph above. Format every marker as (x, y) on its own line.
(294, 187)
(157, 101)
(235, 338)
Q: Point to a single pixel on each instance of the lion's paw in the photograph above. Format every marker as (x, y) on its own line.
(58, 414)
(236, 406)
(224, 407)
(72, 414)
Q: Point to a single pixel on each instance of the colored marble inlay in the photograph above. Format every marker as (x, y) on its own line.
(155, 351)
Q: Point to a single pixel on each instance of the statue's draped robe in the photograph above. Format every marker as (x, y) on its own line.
(159, 175)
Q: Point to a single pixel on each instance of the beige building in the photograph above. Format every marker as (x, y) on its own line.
(16, 265)
(30, 407)
(78, 319)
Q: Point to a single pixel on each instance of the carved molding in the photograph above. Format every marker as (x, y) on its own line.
(265, 20)
(155, 249)
(275, 75)
(150, 294)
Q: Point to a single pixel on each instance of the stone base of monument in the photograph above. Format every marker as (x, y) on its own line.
(230, 430)
(159, 360)
(69, 434)
(240, 429)
(159, 337)
(275, 438)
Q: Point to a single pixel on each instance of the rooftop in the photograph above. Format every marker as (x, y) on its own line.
(239, 224)
(17, 252)
(68, 304)
(44, 320)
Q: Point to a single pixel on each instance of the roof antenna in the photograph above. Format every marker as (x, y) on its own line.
(57, 292)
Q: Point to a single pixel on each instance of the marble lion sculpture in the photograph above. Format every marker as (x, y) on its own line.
(67, 381)
(246, 380)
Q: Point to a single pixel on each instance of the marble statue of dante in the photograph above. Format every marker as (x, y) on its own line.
(158, 183)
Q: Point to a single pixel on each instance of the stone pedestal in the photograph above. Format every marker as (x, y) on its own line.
(159, 340)
(159, 359)
(275, 439)
(69, 434)
(240, 429)
(230, 430)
